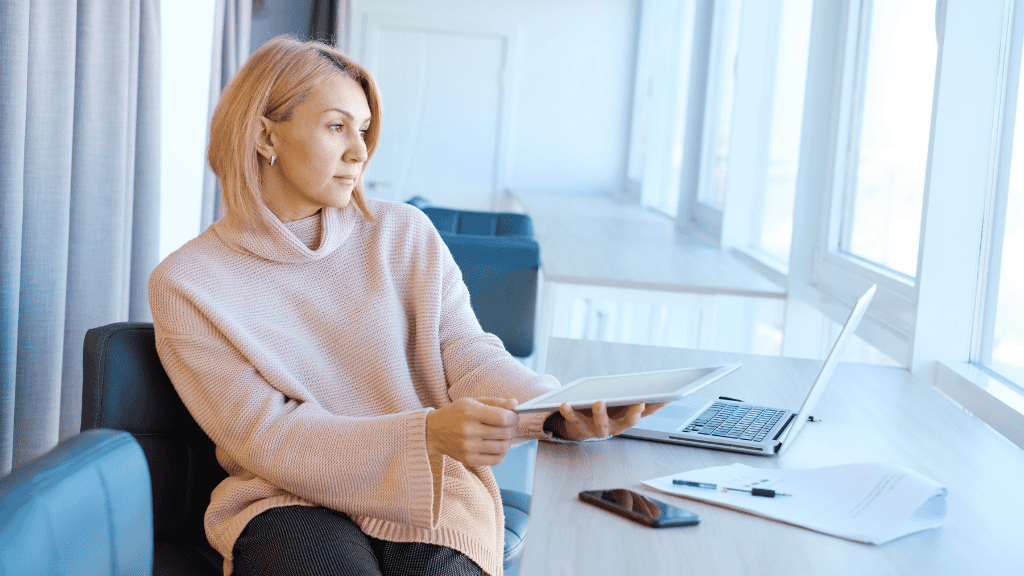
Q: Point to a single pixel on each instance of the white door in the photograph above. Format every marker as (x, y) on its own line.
(442, 109)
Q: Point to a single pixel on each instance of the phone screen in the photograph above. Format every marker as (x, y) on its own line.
(640, 508)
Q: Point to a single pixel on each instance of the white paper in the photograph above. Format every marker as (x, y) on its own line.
(871, 502)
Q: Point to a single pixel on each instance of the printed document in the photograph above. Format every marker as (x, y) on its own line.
(869, 502)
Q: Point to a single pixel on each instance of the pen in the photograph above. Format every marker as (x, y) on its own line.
(764, 492)
(704, 485)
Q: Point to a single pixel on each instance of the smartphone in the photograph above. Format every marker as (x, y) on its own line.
(639, 508)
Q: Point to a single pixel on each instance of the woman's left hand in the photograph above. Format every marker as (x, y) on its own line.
(599, 421)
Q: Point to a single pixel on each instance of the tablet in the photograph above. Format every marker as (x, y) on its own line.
(624, 389)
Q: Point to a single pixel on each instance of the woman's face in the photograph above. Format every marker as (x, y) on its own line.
(319, 151)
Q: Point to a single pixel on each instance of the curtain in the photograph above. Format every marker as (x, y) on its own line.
(232, 27)
(330, 22)
(79, 199)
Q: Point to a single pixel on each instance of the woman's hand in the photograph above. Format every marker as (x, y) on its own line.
(474, 431)
(598, 421)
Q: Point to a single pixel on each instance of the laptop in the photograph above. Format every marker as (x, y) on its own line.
(742, 426)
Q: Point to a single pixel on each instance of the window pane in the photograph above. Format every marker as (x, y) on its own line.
(1008, 340)
(1008, 336)
(885, 221)
(725, 74)
(775, 228)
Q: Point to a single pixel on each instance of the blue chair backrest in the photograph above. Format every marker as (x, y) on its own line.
(499, 260)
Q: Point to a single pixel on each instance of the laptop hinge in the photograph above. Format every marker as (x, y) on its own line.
(784, 426)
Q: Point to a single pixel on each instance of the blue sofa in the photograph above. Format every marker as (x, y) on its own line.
(83, 508)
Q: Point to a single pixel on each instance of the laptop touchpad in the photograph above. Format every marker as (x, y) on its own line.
(673, 417)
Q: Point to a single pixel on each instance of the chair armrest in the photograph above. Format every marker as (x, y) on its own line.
(82, 508)
(517, 515)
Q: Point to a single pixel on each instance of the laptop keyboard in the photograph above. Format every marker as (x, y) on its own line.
(735, 421)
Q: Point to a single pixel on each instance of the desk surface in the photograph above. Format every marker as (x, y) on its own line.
(905, 421)
(599, 240)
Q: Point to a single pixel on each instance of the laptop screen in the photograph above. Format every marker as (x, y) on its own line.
(831, 361)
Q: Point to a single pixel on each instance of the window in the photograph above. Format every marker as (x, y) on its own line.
(661, 102)
(186, 30)
(752, 104)
(773, 217)
(864, 167)
(976, 166)
(719, 103)
(1007, 348)
(881, 219)
(1002, 338)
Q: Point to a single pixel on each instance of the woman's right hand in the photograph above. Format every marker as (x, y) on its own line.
(474, 431)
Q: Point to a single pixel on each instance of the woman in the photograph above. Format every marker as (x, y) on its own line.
(326, 343)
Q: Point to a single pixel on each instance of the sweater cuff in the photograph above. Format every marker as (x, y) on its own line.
(421, 477)
(531, 426)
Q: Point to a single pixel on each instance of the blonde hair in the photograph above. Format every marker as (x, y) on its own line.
(277, 77)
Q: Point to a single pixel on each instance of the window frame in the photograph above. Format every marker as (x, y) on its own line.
(997, 198)
(943, 313)
(748, 221)
(705, 219)
(662, 95)
(842, 276)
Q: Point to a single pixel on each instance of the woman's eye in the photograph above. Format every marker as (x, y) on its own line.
(362, 133)
(337, 127)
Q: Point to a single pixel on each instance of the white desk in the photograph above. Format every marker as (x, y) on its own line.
(905, 421)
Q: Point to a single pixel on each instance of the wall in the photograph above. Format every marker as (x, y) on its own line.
(572, 94)
(572, 98)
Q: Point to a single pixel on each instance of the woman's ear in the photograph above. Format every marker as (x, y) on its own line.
(265, 138)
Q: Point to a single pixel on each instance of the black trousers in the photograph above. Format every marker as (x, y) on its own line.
(317, 541)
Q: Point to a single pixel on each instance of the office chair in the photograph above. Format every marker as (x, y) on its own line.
(125, 388)
(500, 262)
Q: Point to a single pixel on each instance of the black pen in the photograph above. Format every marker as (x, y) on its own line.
(763, 492)
(704, 485)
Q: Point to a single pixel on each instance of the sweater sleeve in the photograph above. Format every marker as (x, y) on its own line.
(282, 435)
(476, 363)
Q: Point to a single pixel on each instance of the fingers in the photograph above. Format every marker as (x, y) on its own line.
(631, 417)
(599, 421)
(582, 425)
(497, 411)
(652, 408)
(574, 420)
(602, 424)
(506, 403)
(474, 431)
(618, 419)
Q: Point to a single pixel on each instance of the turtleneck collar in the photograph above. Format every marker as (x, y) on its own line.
(279, 244)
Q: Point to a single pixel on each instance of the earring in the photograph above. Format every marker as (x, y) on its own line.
(272, 158)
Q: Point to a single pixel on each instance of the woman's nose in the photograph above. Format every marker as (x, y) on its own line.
(356, 150)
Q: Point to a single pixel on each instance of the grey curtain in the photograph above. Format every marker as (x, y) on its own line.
(79, 199)
(232, 27)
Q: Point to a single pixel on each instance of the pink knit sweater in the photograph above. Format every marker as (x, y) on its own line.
(312, 354)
